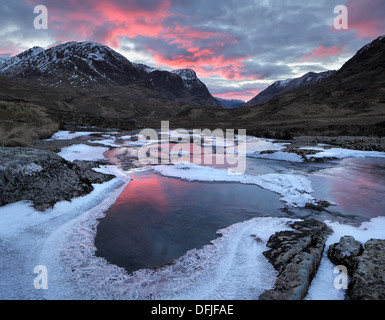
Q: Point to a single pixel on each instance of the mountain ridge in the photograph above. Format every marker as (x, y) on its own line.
(349, 102)
(87, 66)
(283, 86)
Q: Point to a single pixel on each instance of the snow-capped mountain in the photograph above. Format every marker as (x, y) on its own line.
(178, 81)
(282, 86)
(89, 66)
(84, 65)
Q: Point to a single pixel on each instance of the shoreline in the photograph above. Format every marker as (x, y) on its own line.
(87, 241)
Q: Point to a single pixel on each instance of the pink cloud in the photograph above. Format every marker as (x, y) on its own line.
(206, 64)
(322, 53)
(246, 95)
(106, 22)
(367, 18)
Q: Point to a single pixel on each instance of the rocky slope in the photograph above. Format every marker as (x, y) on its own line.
(231, 103)
(280, 87)
(351, 102)
(90, 66)
(354, 91)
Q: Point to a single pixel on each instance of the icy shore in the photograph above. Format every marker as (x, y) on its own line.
(231, 267)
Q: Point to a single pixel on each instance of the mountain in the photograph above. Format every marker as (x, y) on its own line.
(279, 87)
(349, 102)
(90, 66)
(231, 103)
(180, 83)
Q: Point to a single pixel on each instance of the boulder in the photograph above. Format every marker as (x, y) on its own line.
(42, 177)
(344, 252)
(296, 255)
(368, 281)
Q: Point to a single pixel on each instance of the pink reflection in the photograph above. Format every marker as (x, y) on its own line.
(151, 190)
(357, 187)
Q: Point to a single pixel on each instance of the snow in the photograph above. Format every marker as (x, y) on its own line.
(232, 267)
(125, 137)
(83, 152)
(106, 142)
(185, 74)
(141, 143)
(341, 153)
(295, 189)
(282, 156)
(225, 269)
(256, 146)
(322, 287)
(68, 135)
(144, 67)
(25, 231)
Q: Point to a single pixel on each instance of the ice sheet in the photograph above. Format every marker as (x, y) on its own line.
(295, 189)
(24, 231)
(341, 153)
(106, 142)
(226, 269)
(66, 135)
(279, 155)
(83, 152)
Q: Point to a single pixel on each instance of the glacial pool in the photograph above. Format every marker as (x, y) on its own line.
(157, 218)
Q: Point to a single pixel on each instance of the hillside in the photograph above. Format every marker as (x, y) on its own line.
(91, 67)
(280, 87)
(350, 102)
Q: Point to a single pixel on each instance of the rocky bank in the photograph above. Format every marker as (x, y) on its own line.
(296, 255)
(43, 177)
(365, 265)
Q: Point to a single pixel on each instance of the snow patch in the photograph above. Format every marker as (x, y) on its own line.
(295, 189)
(282, 156)
(106, 142)
(68, 135)
(322, 287)
(341, 153)
(229, 268)
(83, 152)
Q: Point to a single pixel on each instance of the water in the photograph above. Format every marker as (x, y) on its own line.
(158, 219)
(356, 185)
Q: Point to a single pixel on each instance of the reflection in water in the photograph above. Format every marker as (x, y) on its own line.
(157, 219)
(356, 185)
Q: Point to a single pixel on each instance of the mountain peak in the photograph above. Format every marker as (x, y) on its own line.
(87, 66)
(32, 52)
(187, 74)
(375, 43)
(283, 86)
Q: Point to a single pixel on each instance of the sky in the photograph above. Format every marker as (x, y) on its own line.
(236, 47)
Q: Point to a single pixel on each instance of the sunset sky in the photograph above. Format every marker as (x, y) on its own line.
(236, 47)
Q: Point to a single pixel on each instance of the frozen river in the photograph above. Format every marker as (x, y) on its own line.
(105, 245)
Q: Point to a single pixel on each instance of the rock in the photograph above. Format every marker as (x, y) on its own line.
(318, 205)
(344, 252)
(42, 177)
(296, 255)
(349, 142)
(368, 281)
(86, 170)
